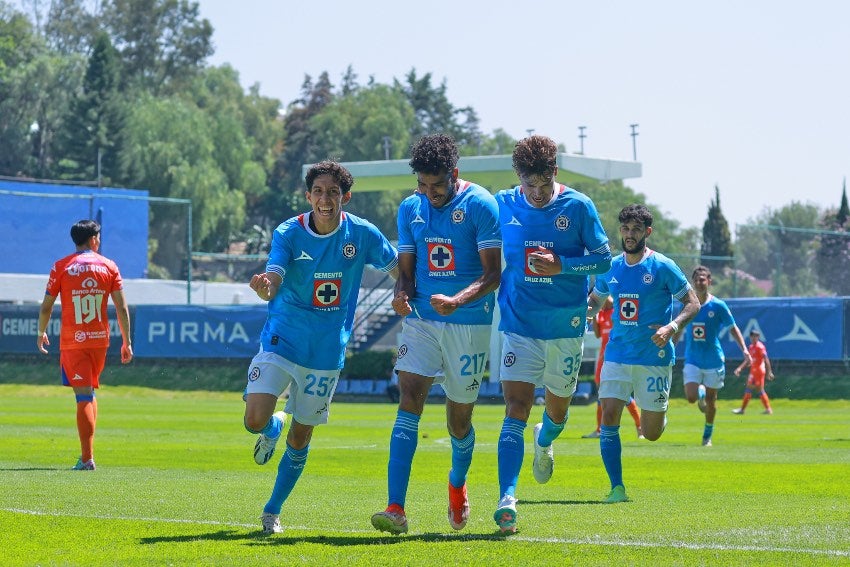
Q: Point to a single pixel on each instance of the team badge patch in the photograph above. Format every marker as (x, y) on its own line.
(254, 374)
(402, 350)
(647, 279)
(509, 360)
(326, 293)
(698, 331)
(80, 336)
(458, 215)
(441, 257)
(562, 222)
(349, 250)
(575, 322)
(629, 307)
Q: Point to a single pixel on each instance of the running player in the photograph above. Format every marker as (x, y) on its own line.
(705, 365)
(639, 356)
(759, 369)
(312, 282)
(449, 266)
(84, 282)
(553, 239)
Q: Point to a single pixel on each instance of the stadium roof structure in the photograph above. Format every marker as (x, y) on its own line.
(492, 172)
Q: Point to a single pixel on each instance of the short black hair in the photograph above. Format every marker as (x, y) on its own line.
(83, 230)
(332, 168)
(636, 212)
(701, 270)
(434, 154)
(535, 155)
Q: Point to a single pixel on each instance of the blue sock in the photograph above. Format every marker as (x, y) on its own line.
(288, 472)
(461, 458)
(511, 450)
(403, 442)
(709, 429)
(272, 428)
(551, 430)
(612, 450)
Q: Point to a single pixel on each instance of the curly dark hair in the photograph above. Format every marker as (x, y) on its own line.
(335, 170)
(434, 154)
(535, 155)
(636, 212)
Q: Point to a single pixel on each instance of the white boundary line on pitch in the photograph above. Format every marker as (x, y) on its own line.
(573, 541)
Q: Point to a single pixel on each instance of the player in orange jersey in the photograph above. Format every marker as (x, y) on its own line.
(759, 369)
(83, 281)
(602, 329)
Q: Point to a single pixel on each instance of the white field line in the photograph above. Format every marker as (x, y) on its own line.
(516, 537)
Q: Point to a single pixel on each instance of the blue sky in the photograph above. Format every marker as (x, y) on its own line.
(750, 95)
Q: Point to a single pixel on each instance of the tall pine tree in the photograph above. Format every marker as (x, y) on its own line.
(833, 256)
(716, 239)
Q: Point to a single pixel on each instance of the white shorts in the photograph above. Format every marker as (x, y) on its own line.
(454, 355)
(712, 378)
(552, 363)
(650, 384)
(310, 390)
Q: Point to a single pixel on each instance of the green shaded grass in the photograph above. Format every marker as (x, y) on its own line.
(176, 484)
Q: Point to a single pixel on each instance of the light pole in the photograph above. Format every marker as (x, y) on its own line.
(581, 137)
(386, 147)
(634, 135)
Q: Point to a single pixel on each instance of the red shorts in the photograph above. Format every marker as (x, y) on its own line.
(82, 367)
(756, 378)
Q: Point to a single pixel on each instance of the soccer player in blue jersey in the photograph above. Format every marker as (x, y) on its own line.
(640, 355)
(449, 266)
(705, 365)
(552, 239)
(312, 281)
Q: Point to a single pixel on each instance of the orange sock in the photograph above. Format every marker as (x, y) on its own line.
(85, 427)
(598, 416)
(765, 401)
(633, 409)
(746, 400)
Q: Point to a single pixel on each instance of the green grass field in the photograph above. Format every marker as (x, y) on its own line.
(176, 484)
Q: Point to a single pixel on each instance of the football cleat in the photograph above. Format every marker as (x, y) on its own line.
(544, 459)
(458, 507)
(738, 411)
(505, 514)
(84, 465)
(706, 442)
(617, 494)
(264, 447)
(591, 435)
(271, 523)
(392, 520)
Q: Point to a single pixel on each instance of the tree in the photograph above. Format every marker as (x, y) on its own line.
(833, 255)
(92, 131)
(70, 27)
(716, 239)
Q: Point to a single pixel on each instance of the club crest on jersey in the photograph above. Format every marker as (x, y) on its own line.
(711, 314)
(254, 374)
(647, 279)
(441, 257)
(349, 250)
(629, 307)
(698, 331)
(402, 350)
(458, 215)
(576, 321)
(562, 222)
(510, 359)
(326, 293)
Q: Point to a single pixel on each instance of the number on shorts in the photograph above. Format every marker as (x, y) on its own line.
(572, 364)
(319, 386)
(657, 384)
(476, 361)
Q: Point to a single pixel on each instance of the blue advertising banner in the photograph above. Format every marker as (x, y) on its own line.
(19, 330)
(792, 328)
(195, 331)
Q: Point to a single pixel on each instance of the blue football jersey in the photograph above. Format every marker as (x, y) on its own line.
(446, 242)
(643, 295)
(310, 319)
(702, 335)
(549, 307)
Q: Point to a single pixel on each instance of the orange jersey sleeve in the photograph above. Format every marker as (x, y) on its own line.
(605, 322)
(83, 282)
